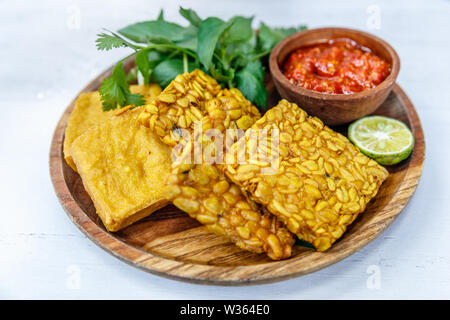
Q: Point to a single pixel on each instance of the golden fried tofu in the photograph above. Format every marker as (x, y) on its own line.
(88, 112)
(124, 167)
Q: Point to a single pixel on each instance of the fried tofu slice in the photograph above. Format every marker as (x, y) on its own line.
(124, 167)
(88, 112)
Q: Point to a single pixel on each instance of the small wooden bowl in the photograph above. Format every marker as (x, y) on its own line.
(334, 109)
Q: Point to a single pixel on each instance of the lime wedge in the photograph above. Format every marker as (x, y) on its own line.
(386, 140)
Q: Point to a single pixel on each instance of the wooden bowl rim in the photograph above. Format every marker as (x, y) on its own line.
(282, 80)
(223, 275)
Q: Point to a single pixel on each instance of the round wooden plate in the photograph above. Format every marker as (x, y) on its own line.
(170, 244)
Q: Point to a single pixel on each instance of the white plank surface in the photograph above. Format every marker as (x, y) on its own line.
(48, 54)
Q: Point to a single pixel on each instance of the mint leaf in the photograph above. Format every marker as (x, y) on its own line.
(209, 33)
(250, 81)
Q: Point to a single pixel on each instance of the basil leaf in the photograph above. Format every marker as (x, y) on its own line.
(167, 70)
(209, 33)
(115, 91)
(189, 39)
(240, 29)
(191, 16)
(148, 31)
(250, 81)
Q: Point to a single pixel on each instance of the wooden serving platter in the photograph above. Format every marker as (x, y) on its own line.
(170, 244)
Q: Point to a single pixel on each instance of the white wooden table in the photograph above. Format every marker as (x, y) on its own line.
(48, 54)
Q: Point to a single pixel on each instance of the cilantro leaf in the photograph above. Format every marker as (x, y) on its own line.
(107, 42)
(111, 94)
(250, 81)
(188, 39)
(115, 91)
(134, 99)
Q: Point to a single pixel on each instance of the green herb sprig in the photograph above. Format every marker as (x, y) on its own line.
(230, 51)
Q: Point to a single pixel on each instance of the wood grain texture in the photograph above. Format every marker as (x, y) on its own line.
(170, 244)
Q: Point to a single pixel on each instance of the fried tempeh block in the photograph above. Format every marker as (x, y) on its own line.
(321, 183)
(202, 190)
(206, 195)
(88, 112)
(180, 104)
(123, 166)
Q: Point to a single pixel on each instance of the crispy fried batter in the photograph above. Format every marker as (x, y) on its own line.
(123, 166)
(88, 112)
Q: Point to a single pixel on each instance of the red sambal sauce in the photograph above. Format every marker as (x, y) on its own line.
(339, 66)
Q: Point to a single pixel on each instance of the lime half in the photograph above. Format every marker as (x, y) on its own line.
(386, 140)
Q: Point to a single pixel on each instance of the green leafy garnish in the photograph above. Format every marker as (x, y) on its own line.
(115, 90)
(269, 37)
(107, 42)
(251, 81)
(191, 16)
(230, 51)
(167, 70)
(209, 32)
